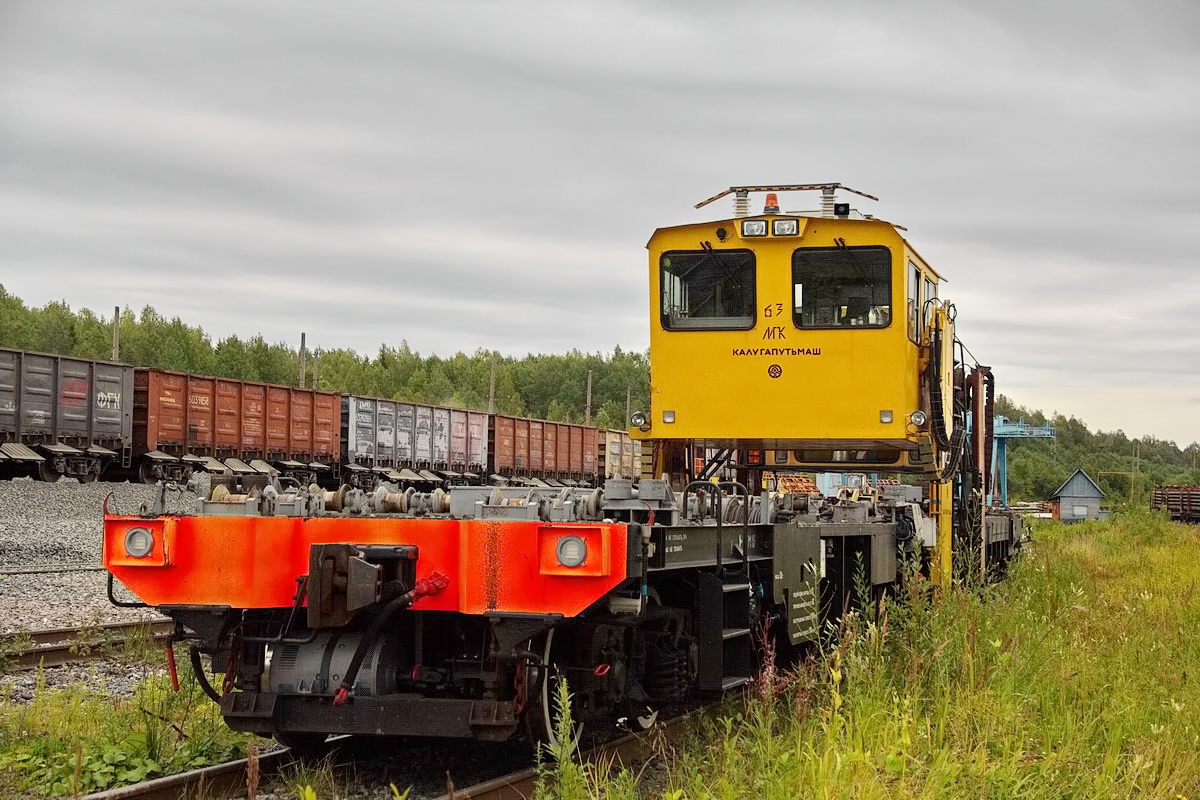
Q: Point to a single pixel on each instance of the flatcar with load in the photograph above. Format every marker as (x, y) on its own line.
(821, 336)
(1182, 503)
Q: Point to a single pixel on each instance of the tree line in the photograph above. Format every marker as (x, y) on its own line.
(1125, 469)
(552, 387)
(542, 386)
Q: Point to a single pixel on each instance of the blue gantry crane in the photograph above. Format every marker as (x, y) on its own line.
(1003, 430)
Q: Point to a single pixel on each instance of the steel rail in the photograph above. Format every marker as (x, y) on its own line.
(227, 781)
(53, 647)
(219, 782)
(626, 750)
(51, 569)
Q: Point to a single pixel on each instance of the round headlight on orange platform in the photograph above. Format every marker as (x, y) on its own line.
(571, 551)
(138, 542)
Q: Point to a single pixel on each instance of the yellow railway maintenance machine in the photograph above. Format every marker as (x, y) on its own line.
(817, 341)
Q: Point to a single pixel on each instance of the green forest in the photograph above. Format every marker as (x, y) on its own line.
(543, 386)
(552, 387)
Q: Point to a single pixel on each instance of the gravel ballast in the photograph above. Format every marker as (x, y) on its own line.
(61, 524)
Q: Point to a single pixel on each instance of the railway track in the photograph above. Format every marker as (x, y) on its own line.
(227, 781)
(51, 569)
(55, 646)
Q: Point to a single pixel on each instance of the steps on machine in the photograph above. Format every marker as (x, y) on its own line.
(724, 627)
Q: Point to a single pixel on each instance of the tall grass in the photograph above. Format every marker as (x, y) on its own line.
(1077, 677)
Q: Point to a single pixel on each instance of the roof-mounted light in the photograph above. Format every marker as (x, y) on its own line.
(772, 204)
(785, 227)
(754, 227)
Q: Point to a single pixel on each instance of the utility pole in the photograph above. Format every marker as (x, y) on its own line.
(587, 411)
(301, 381)
(628, 405)
(116, 339)
(1137, 457)
(492, 389)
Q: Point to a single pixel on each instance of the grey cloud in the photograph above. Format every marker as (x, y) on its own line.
(368, 172)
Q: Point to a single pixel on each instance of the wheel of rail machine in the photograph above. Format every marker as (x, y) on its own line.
(303, 745)
(541, 710)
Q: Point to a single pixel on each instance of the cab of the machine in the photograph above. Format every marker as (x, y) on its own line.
(791, 332)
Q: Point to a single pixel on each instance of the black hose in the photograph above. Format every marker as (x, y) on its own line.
(937, 415)
(364, 644)
(201, 677)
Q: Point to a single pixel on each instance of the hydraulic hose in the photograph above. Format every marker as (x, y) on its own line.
(936, 404)
(201, 677)
(426, 586)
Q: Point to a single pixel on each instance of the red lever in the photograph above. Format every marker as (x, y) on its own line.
(171, 668)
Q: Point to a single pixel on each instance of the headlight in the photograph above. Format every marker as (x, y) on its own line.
(785, 227)
(918, 418)
(572, 551)
(638, 420)
(754, 227)
(138, 542)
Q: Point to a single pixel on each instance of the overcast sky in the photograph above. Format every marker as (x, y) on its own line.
(465, 175)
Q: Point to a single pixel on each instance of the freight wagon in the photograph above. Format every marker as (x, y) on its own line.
(411, 442)
(399, 441)
(83, 418)
(63, 416)
(1181, 502)
(183, 423)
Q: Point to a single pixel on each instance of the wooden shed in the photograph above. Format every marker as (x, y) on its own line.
(1078, 499)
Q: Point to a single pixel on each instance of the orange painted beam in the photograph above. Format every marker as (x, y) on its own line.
(253, 562)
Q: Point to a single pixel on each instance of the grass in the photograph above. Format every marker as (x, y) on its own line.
(1076, 678)
(72, 740)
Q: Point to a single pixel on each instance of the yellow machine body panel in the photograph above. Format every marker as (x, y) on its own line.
(807, 342)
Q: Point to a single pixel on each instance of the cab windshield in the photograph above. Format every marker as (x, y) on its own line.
(835, 287)
(707, 290)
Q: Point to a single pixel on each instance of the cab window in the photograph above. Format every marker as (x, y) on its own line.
(707, 290)
(837, 287)
(930, 294)
(914, 302)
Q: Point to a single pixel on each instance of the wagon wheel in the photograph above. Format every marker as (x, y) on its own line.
(146, 472)
(541, 712)
(91, 475)
(47, 472)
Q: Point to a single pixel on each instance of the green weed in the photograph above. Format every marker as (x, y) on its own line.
(73, 740)
(1070, 680)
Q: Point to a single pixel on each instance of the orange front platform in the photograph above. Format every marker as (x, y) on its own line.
(253, 562)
